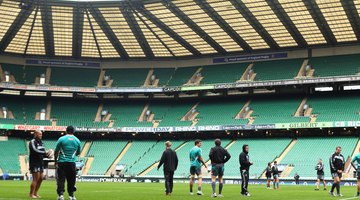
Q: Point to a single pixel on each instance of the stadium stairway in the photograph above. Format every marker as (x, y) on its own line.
(286, 151)
(85, 148)
(287, 171)
(118, 158)
(98, 113)
(282, 156)
(302, 72)
(151, 167)
(87, 166)
(89, 160)
(243, 114)
(195, 79)
(23, 164)
(244, 77)
(101, 78)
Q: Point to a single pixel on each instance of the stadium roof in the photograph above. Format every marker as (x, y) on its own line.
(125, 29)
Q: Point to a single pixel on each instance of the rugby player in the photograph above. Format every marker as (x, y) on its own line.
(218, 157)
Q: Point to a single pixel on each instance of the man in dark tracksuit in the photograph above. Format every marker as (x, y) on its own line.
(218, 156)
(36, 165)
(268, 175)
(244, 169)
(337, 164)
(170, 161)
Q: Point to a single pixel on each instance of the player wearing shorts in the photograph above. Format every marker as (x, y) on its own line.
(356, 160)
(268, 176)
(218, 157)
(244, 169)
(196, 161)
(337, 164)
(320, 174)
(36, 165)
(275, 172)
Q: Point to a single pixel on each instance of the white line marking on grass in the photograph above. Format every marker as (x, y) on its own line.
(350, 198)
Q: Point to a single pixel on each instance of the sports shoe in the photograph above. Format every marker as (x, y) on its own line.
(339, 195)
(332, 194)
(220, 196)
(61, 197)
(72, 198)
(317, 189)
(324, 188)
(191, 193)
(213, 195)
(199, 193)
(247, 194)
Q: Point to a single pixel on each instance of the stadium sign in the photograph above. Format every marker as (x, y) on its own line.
(42, 128)
(63, 63)
(250, 57)
(238, 85)
(303, 125)
(346, 124)
(249, 84)
(6, 126)
(248, 127)
(95, 129)
(125, 90)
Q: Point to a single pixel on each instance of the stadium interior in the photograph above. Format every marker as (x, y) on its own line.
(282, 76)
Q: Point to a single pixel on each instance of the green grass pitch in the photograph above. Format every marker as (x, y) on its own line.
(16, 190)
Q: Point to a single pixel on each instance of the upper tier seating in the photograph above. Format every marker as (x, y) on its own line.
(336, 65)
(31, 107)
(16, 106)
(175, 113)
(277, 69)
(127, 77)
(182, 76)
(213, 113)
(63, 111)
(276, 110)
(126, 113)
(74, 77)
(335, 107)
(226, 73)
(31, 72)
(16, 70)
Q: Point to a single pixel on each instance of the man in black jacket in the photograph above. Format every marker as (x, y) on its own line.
(337, 164)
(170, 161)
(36, 165)
(218, 156)
(268, 175)
(244, 169)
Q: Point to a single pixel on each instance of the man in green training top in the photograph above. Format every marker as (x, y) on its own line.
(356, 159)
(67, 148)
(196, 161)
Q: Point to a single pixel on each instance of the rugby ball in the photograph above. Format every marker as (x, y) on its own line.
(50, 153)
